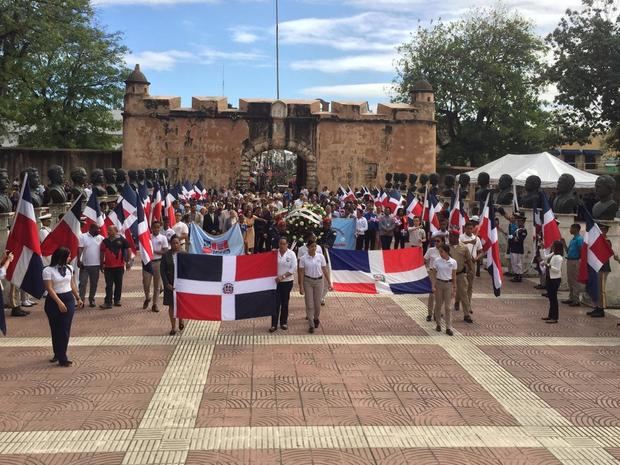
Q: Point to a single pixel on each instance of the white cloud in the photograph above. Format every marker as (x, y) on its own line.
(147, 2)
(211, 55)
(158, 61)
(244, 37)
(351, 91)
(374, 62)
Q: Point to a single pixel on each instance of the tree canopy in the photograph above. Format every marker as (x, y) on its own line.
(60, 74)
(586, 71)
(485, 70)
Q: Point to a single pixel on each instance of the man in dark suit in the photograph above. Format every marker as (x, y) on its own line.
(211, 223)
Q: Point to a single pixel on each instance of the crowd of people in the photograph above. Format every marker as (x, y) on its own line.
(453, 257)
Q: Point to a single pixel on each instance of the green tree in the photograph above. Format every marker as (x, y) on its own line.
(60, 74)
(586, 70)
(484, 69)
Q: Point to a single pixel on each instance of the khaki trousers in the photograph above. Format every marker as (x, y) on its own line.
(431, 304)
(147, 278)
(602, 289)
(443, 297)
(574, 287)
(462, 293)
(313, 293)
(516, 262)
(470, 284)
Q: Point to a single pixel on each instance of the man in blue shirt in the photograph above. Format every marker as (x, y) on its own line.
(572, 266)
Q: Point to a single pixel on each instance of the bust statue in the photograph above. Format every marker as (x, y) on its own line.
(78, 177)
(34, 182)
(505, 195)
(6, 206)
(433, 178)
(133, 178)
(448, 183)
(464, 181)
(121, 178)
(56, 188)
(96, 178)
(149, 174)
(423, 181)
(531, 198)
(565, 201)
(109, 175)
(164, 177)
(483, 186)
(606, 207)
(141, 176)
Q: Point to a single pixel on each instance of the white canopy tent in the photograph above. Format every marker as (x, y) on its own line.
(544, 165)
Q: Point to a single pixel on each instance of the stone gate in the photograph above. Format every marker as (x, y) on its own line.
(336, 143)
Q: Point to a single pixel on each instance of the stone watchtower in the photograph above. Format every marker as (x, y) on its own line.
(338, 142)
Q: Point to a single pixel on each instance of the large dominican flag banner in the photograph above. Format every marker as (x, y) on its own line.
(550, 228)
(26, 270)
(380, 271)
(490, 245)
(225, 288)
(66, 233)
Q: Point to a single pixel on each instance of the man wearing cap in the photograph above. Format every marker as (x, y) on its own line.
(45, 230)
(464, 268)
(517, 249)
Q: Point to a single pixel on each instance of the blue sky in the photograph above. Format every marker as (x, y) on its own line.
(336, 50)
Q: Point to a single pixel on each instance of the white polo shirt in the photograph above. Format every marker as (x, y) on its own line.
(61, 284)
(160, 245)
(303, 250)
(287, 263)
(313, 266)
(444, 268)
(430, 256)
(91, 255)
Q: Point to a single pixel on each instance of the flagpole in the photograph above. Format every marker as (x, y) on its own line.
(277, 51)
(424, 204)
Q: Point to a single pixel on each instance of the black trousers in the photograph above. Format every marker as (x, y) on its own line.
(60, 323)
(369, 240)
(113, 284)
(283, 292)
(399, 239)
(552, 294)
(260, 243)
(359, 242)
(386, 242)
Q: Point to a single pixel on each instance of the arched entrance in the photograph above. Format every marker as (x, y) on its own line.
(264, 154)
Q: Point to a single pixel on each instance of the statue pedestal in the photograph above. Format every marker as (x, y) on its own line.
(57, 209)
(566, 220)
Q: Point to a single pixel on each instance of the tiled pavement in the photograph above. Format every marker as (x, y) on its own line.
(375, 385)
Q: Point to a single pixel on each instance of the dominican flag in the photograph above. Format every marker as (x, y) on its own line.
(434, 207)
(26, 270)
(414, 207)
(349, 195)
(92, 213)
(116, 218)
(384, 199)
(186, 190)
(595, 252)
(396, 199)
(145, 200)
(458, 217)
(379, 271)
(129, 201)
(66, 233)
(144, 237)
(157, 205)
(550, 229)
(490, 245)
(169, 210)
(224, 288)
(200, 191)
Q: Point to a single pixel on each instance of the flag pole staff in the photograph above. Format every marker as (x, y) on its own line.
(277, 50)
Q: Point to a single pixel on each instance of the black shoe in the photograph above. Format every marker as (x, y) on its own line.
(429, 318)
(516, 279)
(92, 304)
(449, 332)
(155, 309)
(598, 313)
(146, 303)
(539, 286)
(172, 332)
(590, 312)
(317, 323)
(17, 311)
(66, 363)
(284, 327)
(456, 307)
(273, 329)
(574, 304)
(105, 307)
(468, 320)
(181, 326)
(311, 330)
(551, 322)
(53, 359)
(567, 301)
(438, 329)
(545, 318)
(545, 295)
(117, 304)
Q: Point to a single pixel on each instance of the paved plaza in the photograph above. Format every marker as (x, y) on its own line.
(375, 385)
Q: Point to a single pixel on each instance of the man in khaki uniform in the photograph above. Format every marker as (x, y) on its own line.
(464, 267)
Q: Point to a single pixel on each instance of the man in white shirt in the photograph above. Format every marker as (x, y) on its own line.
(181, 229)
(473, 244)
(160, 247)
(444, 287)
(89, 262)
(168, 231)
(300, 201)
(361, 226)
(430, 256)
(45, 230)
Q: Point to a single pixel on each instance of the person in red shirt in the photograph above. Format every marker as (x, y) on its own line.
(114, 261)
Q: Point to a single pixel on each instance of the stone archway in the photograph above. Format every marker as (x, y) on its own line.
(302, 150)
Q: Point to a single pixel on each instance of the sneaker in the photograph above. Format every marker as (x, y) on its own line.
(27, 303)
(31, 302)
(598, 313)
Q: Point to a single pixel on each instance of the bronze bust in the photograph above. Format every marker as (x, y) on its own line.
(565, 201)
(34, 182)
(149, 174)
(531, 198)
(78, 177)
(606, 207)
(423, 180)
(121, 178)
(483, 187)
(464, 180)
(433, 178)
(110, 180)
(504, 185)
(133, 179)
(448, 185)
(56, 189)
(6, 206)
(96, 178)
